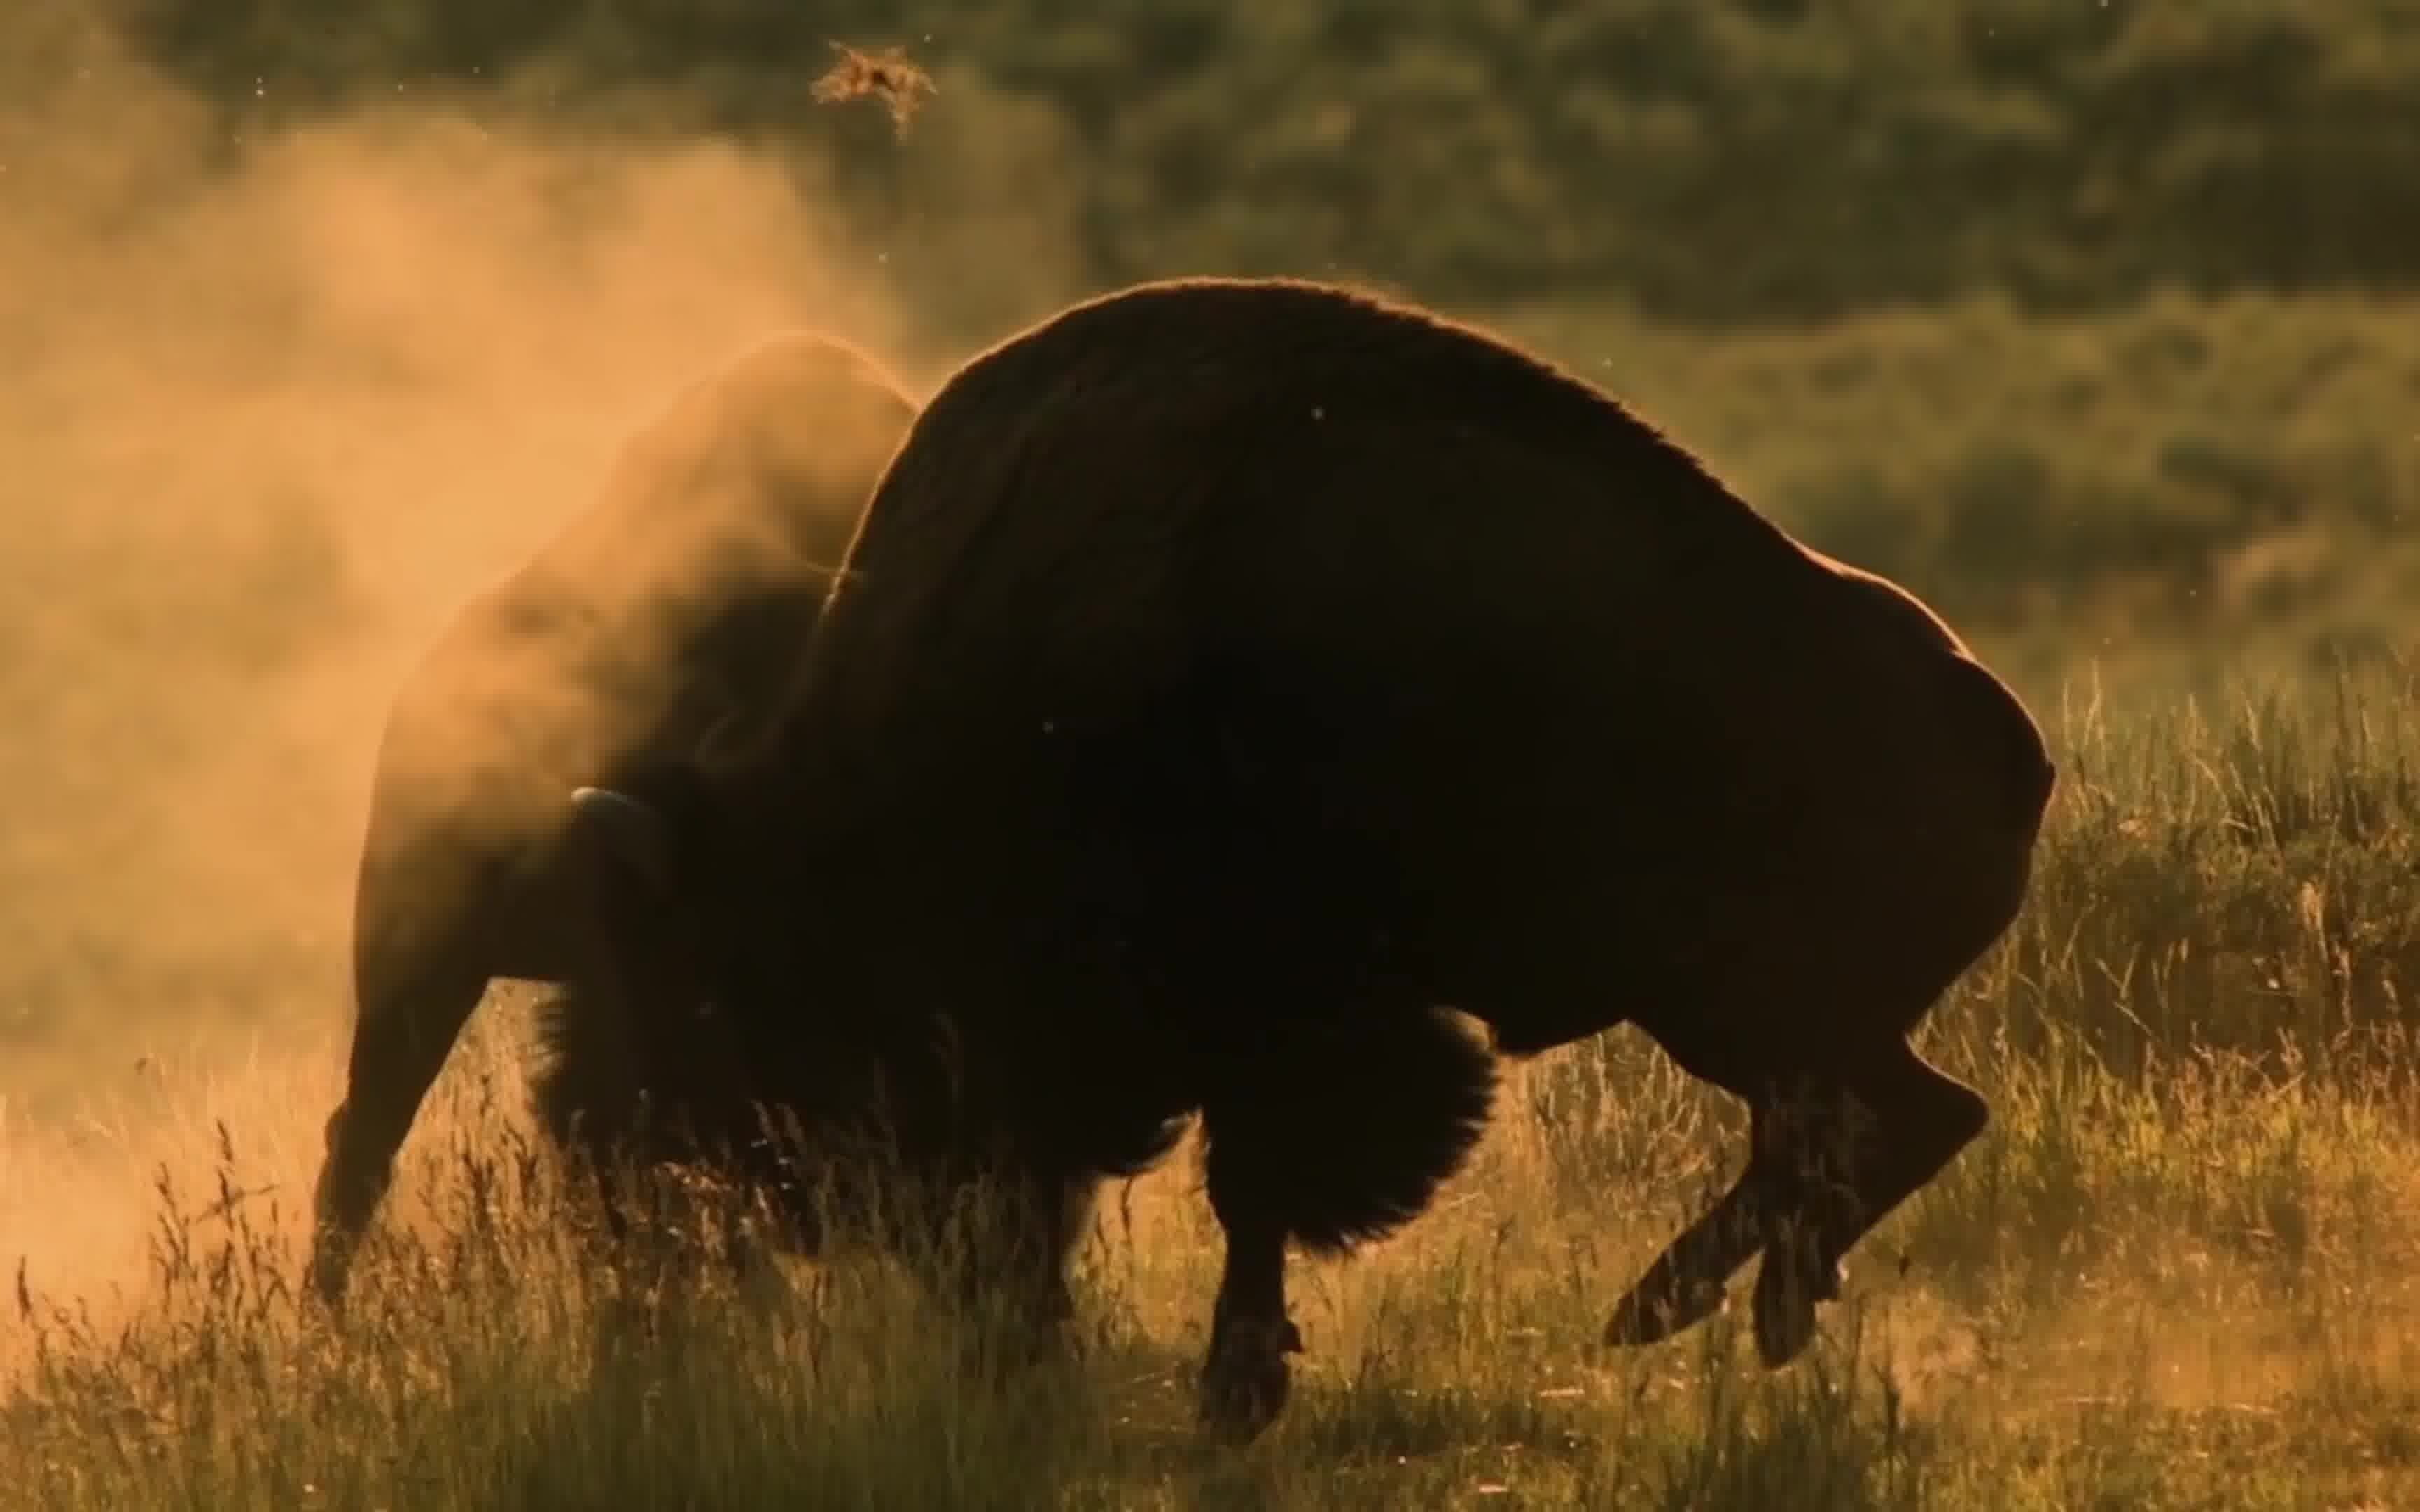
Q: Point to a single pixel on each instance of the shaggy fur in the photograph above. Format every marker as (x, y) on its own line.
(1228, 676)
(651, 626)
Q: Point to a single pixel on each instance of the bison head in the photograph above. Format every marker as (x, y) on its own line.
(724, 950)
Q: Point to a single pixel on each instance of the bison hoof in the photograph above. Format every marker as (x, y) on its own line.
(1786, 1296)
(1650, 1315)
(1246, 1381)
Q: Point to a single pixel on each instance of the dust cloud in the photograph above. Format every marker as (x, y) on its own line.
(270, 409)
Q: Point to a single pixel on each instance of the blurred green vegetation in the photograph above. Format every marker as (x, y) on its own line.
(1712, 160)
(2185, 473)
(2101, 319)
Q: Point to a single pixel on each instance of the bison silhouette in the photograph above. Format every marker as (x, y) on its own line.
(1255, 701)
(648, 628)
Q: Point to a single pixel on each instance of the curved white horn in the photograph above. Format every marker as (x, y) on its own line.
(635, 830)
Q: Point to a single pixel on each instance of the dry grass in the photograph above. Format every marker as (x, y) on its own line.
(2178, 1272)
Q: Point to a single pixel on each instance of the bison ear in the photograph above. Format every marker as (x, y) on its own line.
(626, 829)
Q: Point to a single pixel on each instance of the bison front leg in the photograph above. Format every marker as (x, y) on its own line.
(406, 1025)
(1003, 1257)
(1245, 1377)
(1245, 1374)
(435, 920)
(668, 1232)
(1332, 1131)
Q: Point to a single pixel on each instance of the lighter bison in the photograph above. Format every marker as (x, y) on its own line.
(1254, 701)
(648, 627)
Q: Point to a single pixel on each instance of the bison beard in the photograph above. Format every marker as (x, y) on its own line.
(1230, 676)
(668, 609)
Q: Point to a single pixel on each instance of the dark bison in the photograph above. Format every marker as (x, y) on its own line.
(653, 621)
(1253, 700)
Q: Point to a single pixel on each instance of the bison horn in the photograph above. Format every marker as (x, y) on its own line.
(630, 829)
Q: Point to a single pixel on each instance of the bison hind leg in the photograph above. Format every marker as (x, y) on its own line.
(1879, 1127)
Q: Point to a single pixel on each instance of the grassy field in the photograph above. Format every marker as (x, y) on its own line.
(1743, 159)
(2180, 1270)
(289, 376)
